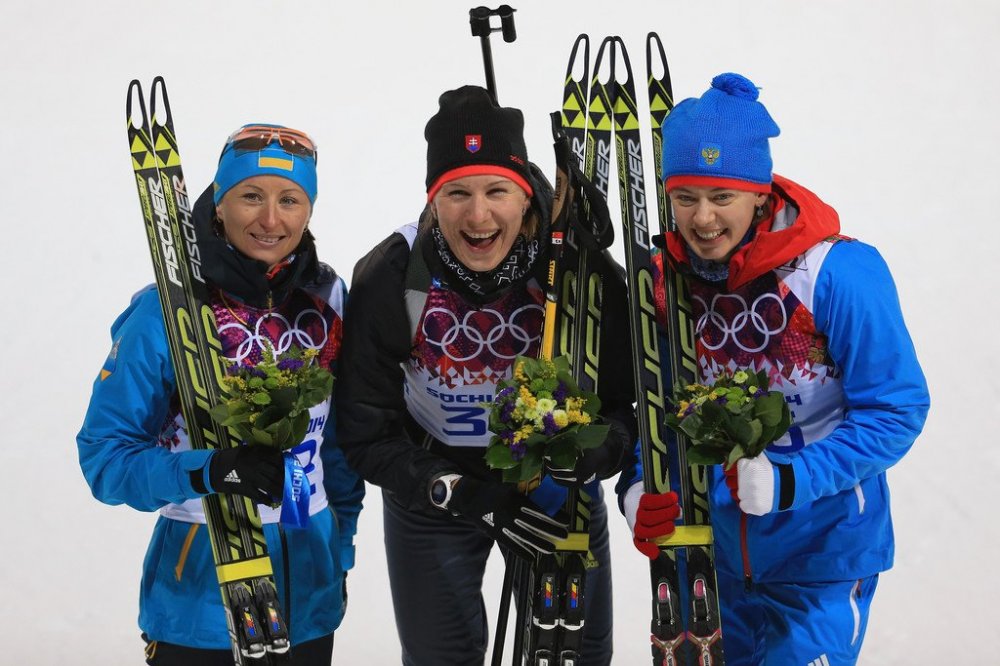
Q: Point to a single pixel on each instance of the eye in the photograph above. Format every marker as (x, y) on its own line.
(251, 196)
(289, 200)
(723, 197)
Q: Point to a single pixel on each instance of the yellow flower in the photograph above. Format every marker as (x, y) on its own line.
(523, 433)
(519, 373)
(525, 397)
(560, 417)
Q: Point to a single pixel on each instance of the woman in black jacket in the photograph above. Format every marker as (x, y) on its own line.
(438, 312)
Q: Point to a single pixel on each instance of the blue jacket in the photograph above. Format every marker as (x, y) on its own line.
(819, 312)
(133, 451)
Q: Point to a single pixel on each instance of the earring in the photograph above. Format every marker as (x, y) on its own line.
(759, 213)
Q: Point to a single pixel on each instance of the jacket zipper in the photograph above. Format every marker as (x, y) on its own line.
(745, 549)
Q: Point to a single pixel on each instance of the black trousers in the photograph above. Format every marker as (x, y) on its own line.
(436, 567)
(317, 652)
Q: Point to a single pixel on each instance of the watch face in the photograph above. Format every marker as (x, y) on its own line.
(439, 491)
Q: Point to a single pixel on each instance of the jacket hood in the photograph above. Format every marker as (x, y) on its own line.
(799, 221)
(235, 273)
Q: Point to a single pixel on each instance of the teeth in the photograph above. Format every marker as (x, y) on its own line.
(267, 239)
(709, 235)
(481, 236)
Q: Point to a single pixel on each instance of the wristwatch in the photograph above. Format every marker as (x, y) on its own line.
(441, 487)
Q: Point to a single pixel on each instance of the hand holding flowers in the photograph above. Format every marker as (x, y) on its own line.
(269, 403)
(540, 414)
(735, 417)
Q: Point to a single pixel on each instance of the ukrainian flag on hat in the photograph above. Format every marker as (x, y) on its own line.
(236, 166)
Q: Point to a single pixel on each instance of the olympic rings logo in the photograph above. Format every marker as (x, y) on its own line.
(297, 333)
(746, 322)
(460, 332)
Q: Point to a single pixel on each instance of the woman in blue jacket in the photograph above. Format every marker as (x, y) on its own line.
(803, 530)
(268, 290)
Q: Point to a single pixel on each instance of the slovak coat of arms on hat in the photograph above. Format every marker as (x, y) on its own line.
(473, 142)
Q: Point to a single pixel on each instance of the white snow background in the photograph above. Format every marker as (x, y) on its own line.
(887, 109)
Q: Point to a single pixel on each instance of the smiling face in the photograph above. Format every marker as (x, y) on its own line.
(264, 217)
(480, 218)
(713, 220)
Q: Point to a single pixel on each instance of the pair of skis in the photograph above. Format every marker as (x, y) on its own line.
(686, 624)
(256, 625)
(552, 593)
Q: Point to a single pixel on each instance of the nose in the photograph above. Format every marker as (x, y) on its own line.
(479, 209)
(269, 216)
(703, 213)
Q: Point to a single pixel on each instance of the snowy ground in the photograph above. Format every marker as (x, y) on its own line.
(887, 110)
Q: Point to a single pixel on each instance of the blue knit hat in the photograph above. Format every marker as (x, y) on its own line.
(237, 165)
(720, 139)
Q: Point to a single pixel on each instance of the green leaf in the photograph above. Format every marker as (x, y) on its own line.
(530, 468)
(298, 427)
(712, 413)
(281, 432)
(564, 459)
(591, 436)
(769, 408)
(741, 431)
(498, 456)
(703, 455)
(260, 436)
(735, 455)
(562, 365)
(691, 424)
(593, 404)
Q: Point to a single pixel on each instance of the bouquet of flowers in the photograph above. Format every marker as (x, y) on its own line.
(538, 414)
(736, 417)
(269, 403)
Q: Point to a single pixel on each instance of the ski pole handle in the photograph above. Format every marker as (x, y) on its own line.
(479, 21)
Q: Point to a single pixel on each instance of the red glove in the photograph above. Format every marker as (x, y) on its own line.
(654, 518)
(733, 482)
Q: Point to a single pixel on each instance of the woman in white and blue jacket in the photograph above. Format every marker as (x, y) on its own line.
(268, 289)
(803, 530)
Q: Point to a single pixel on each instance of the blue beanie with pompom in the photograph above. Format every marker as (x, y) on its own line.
(720, 139)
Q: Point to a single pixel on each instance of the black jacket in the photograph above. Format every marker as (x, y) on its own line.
(380, 439)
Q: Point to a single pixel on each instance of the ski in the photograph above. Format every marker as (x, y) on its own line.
(686, 624)
(256, 626)
(555, 595)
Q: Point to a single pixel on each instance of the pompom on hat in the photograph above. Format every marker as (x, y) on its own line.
(720, 139)
(471, 135)
(277, 151)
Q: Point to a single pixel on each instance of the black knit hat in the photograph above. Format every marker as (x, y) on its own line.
(471, 135)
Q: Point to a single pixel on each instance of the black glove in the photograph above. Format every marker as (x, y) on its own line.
(512, 519)
(599, 462)
(252, 470)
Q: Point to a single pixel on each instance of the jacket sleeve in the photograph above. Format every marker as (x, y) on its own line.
(371, 409)
(344, 488)
(118, 444)
(885, 394)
